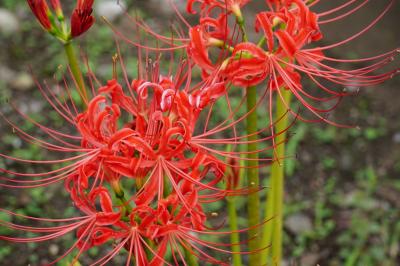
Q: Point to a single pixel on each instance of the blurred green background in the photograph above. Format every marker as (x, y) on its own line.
(342, 191)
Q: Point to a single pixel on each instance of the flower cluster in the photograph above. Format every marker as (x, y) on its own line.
(142, 175)
(154, 149)
(141, 164)
(281, 55)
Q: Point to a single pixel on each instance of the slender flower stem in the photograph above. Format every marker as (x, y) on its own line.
(76, 71)
(253, 203)
(272, 231)
(235, 239)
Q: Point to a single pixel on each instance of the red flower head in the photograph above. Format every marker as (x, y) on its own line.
(247, 66)
(82, 18)
(282, 56)
(146, 137)
(41, 10)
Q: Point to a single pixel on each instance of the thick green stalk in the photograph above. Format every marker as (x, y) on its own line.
(235, 238)
(76, 71)
(253, 202)
(272, 231)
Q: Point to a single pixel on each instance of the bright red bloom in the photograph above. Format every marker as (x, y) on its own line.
(288, 27)
(247, 66)
(82, 18)
(210, 33)
(146, 135)
(293, 25)
(41, 10)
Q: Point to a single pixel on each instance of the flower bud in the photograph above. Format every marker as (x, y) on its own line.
(42, 12)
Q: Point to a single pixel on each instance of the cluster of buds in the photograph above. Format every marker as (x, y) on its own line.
(53, 21)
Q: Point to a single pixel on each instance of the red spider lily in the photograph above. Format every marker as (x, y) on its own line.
(247, 66)
(82, 18)
(41, 10)
(210, 33)
(147, 136)
(288, 27)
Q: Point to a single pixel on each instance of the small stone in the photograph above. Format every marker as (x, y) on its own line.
(23, 82)
(8, 21)
(31, 106)
(351, 89)
(346, 161)
(6, 74)
(309, 259)
(54, 249)
(166, 8)
(298, 223)
(396, 138)
(110, 9)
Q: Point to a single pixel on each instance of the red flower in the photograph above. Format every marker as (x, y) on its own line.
(288, 27)
(82, 18)
(41, 10)
(247, 66)
(210, 33)
(143, 137)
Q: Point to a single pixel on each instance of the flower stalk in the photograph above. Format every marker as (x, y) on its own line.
(272, 231)
(76, 71)
(253, 203)
(235, 238)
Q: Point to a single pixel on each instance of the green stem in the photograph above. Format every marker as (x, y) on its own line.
(253, 203)
(240, 22)
(76, 71)
(191, 259)
(235, 238)
(120, 195)
(272, 231)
